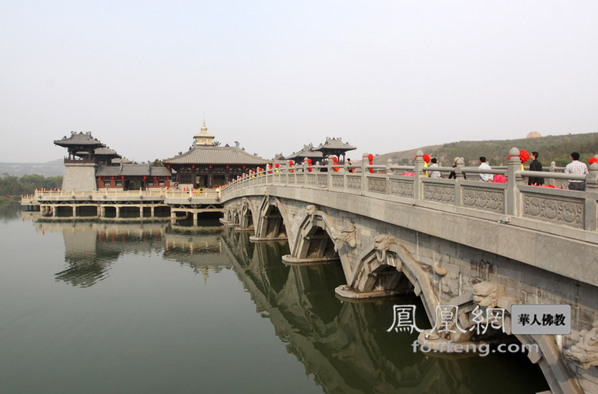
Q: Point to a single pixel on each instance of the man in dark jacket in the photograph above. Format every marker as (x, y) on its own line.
(535, 165)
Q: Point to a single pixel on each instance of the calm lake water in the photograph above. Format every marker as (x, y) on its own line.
(91, 307)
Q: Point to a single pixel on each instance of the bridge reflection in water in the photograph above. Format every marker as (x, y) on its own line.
(345, 343)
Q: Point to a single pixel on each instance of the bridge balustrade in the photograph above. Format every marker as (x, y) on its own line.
(514, 198)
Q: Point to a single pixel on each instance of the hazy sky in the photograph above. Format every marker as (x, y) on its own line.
(275, 75)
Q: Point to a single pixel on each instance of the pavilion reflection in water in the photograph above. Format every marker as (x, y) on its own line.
(91, 247)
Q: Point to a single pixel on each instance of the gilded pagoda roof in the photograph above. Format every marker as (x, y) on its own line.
(79, 139)
(133, 170)
(208, 154)
(335, 144)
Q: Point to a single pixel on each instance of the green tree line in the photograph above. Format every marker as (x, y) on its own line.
(14, 186)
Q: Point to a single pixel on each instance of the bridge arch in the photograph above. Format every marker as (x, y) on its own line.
(387, 268)
(316, 240)
(271, 220)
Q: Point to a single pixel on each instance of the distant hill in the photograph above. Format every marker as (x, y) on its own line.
(551, 148)
(49, 169)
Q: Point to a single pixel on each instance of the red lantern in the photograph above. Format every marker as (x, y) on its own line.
(210, 166)
(227, 167)
(193, 166)
(277, 165)
(100, 178)
(112, 178)
(122, 177)
(426, 157)
(593, 160)
(523, 156)
(370, 158)
(243, 167)
(144, 177)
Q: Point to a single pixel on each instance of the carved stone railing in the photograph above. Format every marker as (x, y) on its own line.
(514, 198)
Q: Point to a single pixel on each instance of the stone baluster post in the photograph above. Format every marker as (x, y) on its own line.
(330, 169)
(458, 175)
(388, 174)
(304, 171)
(364, 173)
(513, 196)
(550, 181)
(591, 197)
(417, 181)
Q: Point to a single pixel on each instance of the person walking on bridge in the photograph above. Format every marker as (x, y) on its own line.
(535, 165)
(576, 167)
(434, 174)
(485, 166)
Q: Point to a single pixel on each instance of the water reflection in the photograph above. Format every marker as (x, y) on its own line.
(345, 344)
(9, 211)
(91, 247)
(199, 248)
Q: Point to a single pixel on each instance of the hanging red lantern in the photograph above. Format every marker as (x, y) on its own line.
(426, 157)
(593, 160)
(523, 156)
(227, 167)
(100, 178)
(277, 165)
(144, 177)
(210, 166)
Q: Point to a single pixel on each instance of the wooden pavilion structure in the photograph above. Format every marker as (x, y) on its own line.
(209, 165)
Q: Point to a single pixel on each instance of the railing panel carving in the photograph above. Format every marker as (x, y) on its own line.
(439, 193)
(338, 181)
(322, 180)
(354, 182)
(559, 211)
(484, 199)
(401, 188)
(377, 185)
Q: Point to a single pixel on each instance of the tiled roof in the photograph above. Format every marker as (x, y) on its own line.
(307, 151)
(335, 144)
(79, 139)
(216, 155)
(105, 152)
(132, 170)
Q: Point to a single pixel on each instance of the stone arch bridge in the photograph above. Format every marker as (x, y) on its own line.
(461, 243)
